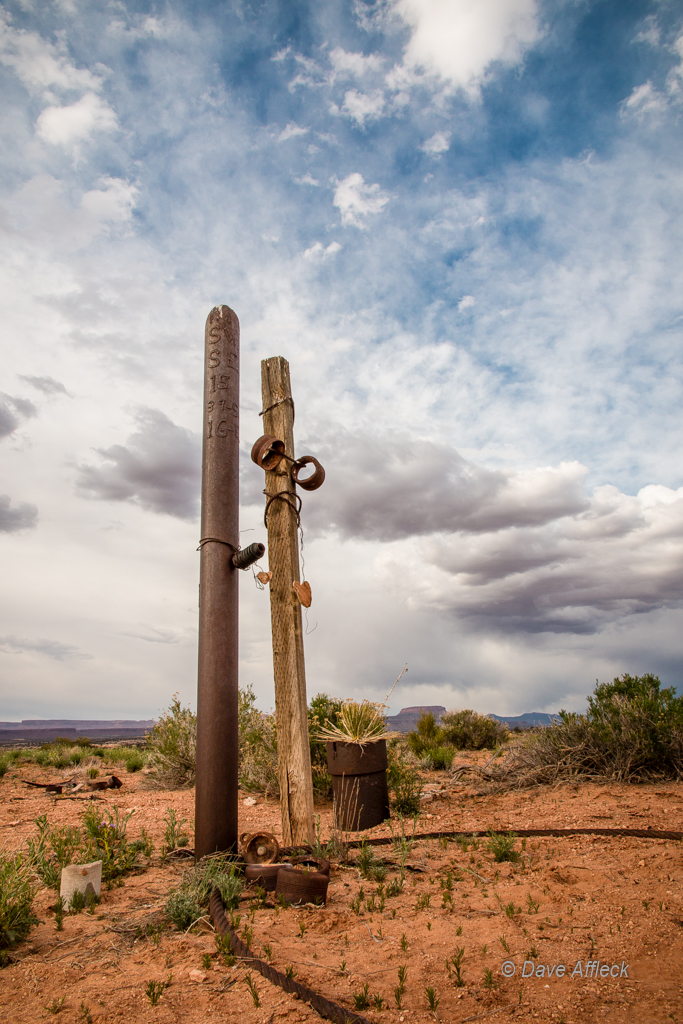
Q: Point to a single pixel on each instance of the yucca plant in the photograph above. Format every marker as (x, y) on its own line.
(359, 721)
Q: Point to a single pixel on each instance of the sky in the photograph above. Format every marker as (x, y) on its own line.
(460, 222)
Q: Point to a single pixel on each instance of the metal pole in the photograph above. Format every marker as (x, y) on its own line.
(217, 689)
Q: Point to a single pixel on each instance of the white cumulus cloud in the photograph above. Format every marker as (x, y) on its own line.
(66, 126)
(355, 200)
(459, 39)
(439, 143)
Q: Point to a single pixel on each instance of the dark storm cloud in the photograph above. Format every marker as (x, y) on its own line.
(12, 412)
(20, 517)
(50, 648)
(158, 468)
(48, 385)
(385, 489)
(622, 556)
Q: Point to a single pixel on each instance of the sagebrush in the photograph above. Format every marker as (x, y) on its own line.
(632, 731)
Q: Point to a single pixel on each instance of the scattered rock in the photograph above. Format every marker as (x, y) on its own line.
(197, 976)
(250, 802)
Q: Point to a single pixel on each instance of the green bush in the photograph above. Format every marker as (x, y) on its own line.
(190, 902)
(172, 746)
(632, 731)
(183, 909)
(16, 900)
(440, 758)
(427, 734)
(135, 760)
(403, 778)
(257, 746)
(468, 730)
(322, 710)
(4, 764)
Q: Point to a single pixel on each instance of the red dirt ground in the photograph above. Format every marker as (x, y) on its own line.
(617, 901)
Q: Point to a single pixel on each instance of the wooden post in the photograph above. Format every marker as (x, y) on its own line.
(217, 747)
(294, 755)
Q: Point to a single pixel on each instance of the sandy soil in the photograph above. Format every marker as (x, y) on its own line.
(616, 901)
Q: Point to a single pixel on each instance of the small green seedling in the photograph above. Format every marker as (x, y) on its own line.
(252, 988)
(361, 1000)
(432, 998)
(56, 1006)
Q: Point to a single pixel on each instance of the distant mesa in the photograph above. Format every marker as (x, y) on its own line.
(407, 718)
(47, 729)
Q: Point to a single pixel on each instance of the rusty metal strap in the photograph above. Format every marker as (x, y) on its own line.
(283, 496)
(634, 833)
(325, 1007)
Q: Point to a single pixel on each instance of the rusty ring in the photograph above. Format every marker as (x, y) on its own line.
(313, 482)
(268, 451)
(260, 848)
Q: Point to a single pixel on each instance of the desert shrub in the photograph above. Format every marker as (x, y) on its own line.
(101, 836)
(502, 846)
(183, 909)
(438, 759)
(403, 778)
(257, 746)
(172, 746)
(135, 760)
(427, 734)
(4, 764)
(190, 901)
(16, 900)
(106, 839)
(632, 731)
(322, 710)
(468, 730)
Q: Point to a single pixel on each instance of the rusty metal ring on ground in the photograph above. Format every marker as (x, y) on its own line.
(264, 875)
(318, 864)
(260, 848)
(296, 886)
(312, 482)
(268, 451)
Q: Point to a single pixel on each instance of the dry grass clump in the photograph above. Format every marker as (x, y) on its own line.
(632, 732)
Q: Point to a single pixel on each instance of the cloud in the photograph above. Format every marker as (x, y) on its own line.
(439, 143)
(50, 648)
(466, 302)
(387, 488)
(21, 517)
(48, 385)
(154, 635)
(620, 555)
(458, 40)
(356, 200)
(39, 64)
(12, 412)
(345, 64)
(159, 468)
(644, 101)
(292, 131)
(361, 107)
(73, 124)
(306, 179)
(319, 252)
